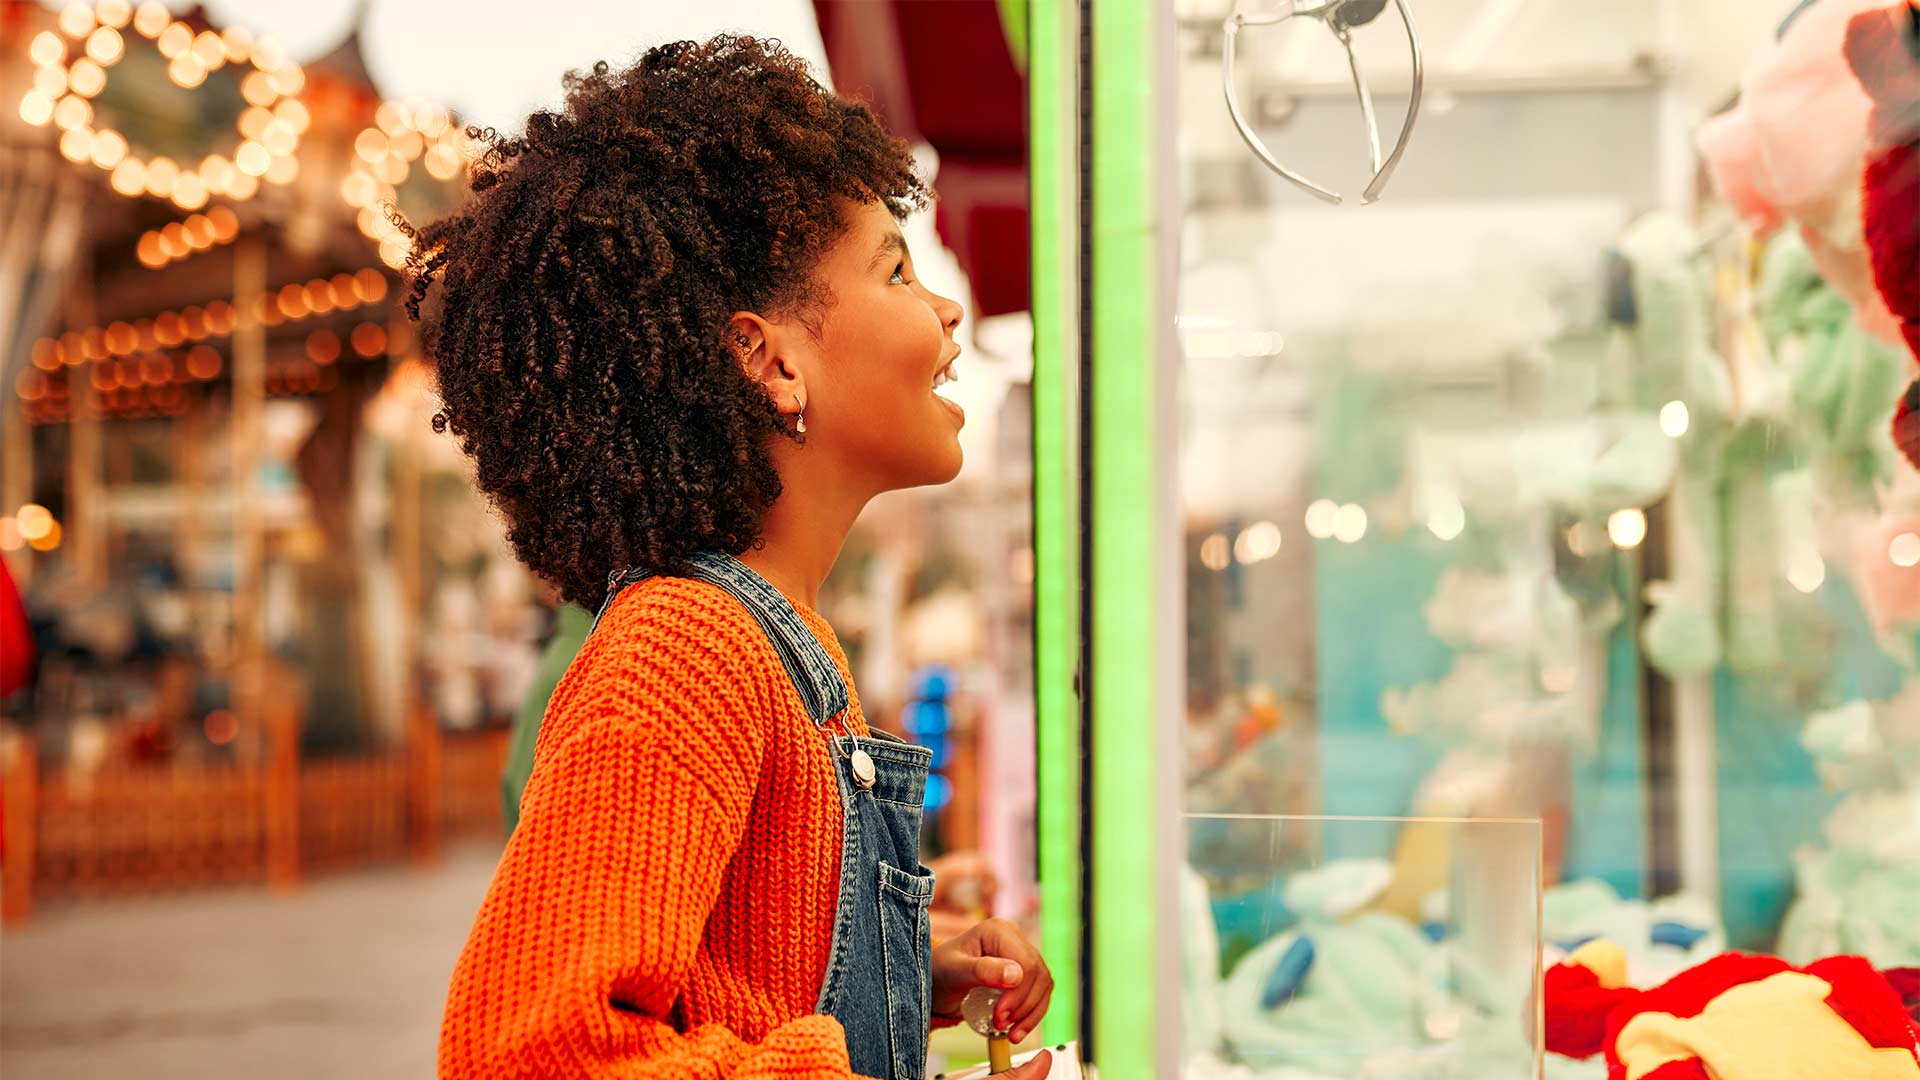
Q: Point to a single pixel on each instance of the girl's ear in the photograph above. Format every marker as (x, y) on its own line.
(756, 344)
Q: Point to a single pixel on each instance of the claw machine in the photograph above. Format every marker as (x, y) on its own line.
(1465, 525)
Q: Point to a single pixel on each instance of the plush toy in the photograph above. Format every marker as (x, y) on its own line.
(1883, 48)
(1789, 153)
(1734, 1017)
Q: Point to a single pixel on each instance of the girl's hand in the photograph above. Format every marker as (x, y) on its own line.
(995, 954)
(1036, 1067)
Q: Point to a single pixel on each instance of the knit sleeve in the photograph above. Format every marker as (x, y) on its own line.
(589, 929)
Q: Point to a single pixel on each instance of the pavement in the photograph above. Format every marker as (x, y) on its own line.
(344, 978)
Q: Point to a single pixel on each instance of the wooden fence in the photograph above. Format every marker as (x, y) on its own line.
(127, 830)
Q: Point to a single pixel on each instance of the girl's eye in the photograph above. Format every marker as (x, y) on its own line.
(898, 274)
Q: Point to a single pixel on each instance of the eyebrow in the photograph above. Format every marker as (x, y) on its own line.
(892, 242)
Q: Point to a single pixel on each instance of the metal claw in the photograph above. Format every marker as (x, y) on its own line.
(1340, 17)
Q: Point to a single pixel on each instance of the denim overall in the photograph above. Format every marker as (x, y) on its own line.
(879, 974)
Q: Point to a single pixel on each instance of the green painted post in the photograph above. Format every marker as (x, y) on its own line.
(1053, 108)
(1129, 524)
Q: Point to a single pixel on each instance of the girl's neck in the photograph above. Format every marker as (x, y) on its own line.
(802, 534)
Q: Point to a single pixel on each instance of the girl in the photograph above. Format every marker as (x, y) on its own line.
(678, 330)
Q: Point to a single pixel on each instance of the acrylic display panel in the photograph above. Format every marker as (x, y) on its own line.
(1301, 965)
(1552, 485)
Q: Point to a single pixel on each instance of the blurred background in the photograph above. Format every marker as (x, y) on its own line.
(1557, 487)
(269, 642)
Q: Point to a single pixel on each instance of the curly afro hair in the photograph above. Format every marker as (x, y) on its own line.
(579, 334)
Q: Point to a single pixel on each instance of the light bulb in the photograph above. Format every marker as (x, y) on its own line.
(1627, 528)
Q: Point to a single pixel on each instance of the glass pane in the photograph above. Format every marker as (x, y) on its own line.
(1559, 483)
(1305, 958)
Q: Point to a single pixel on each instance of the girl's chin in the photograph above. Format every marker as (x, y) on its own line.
(942, 468)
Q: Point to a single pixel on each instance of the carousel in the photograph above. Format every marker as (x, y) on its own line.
(277, 630)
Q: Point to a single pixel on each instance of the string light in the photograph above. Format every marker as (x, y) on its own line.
(395, 249)
(76, 145)
(112, 347)
(209, 50)
(237, 41)
(293, 112)
(187, 71)
(73, 113)
(258, 89)
(161, 175)
(76, 20)
(175, 41)
(152, 384)
(190, 192)
(203, 362)
(216, 172)
(85, 77)
(151, 18)
(109, 149)
(392, 170)
(91, 36)
(252, 158)
(242, 187)
(370, 146)
(36, 107)
(278, 137)
(47, 48)
(254, 120)
(323, 347)
(130, 177)
(369, 340)
(105, 47)
(319, 296)
(51, 81)
(383, 157)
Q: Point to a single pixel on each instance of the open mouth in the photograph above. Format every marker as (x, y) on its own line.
(941, 378)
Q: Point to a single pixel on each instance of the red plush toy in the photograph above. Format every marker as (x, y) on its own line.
(1734, 1017)
(1883, 48)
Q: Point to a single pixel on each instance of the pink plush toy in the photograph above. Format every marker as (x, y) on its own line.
(1791, 151)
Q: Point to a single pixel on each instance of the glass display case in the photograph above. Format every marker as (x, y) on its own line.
(1297, 963)
(1554, 486)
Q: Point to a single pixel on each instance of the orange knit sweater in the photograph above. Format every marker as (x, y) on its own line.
(665, 907)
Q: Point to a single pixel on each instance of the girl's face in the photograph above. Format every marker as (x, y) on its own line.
(869, 379)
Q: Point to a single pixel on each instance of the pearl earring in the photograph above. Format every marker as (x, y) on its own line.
(801, 426)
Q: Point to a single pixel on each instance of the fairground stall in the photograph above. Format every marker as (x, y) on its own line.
(1476, 556)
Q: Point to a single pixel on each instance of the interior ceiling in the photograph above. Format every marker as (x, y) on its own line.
(1707, 40)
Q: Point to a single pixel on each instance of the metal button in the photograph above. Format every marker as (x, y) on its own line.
(863, 767)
